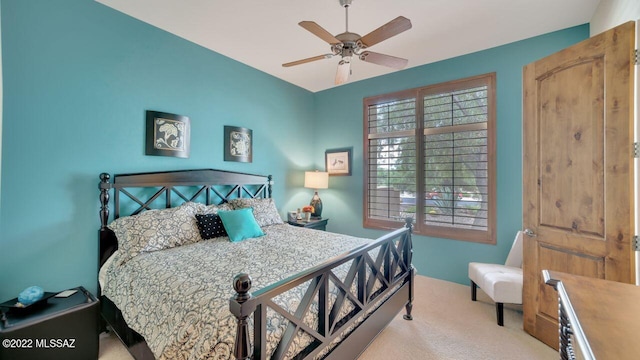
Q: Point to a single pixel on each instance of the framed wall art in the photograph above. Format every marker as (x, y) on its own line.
(238, 144)
(167, 134)
(338, 161)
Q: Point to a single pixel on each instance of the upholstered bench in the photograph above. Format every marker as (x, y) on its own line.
(502, 283)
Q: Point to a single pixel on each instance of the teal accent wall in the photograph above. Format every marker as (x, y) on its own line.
(340, 124)
(78, 77)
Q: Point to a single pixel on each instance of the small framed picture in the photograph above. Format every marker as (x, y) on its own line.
(338, 161)
(238, 144)
(167, 134)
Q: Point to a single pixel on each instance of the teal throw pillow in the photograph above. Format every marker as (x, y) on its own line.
(240, 224)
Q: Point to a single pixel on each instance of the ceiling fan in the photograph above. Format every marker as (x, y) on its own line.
(348, 44)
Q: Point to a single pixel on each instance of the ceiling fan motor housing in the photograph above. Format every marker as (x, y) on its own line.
(350, 44)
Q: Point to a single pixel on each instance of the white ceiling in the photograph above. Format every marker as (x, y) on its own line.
(264, 34)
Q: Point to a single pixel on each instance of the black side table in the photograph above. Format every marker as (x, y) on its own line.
(60, 328)
(318, 224)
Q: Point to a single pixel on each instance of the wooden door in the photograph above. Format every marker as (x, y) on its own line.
(578, 170)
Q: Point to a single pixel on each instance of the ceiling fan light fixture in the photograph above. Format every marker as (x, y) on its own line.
(343, 71)
(348, 44)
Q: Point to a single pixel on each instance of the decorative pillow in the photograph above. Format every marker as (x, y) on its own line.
(210, 226)
(240, 224)
(156, 230)
(264, 210)
(213, 208)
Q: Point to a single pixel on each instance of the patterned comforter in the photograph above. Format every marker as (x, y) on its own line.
(178, 299)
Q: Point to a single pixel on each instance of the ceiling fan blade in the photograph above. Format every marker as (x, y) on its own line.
(392, 28)
(303, 61)
(344, 70)
(319, 31)
(384, 60)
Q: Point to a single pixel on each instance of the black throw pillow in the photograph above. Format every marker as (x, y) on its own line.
(210, 226)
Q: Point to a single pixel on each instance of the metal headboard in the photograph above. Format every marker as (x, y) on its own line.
(214, 185)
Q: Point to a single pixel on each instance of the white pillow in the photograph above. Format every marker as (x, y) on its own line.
(264, 210)
(213, 208)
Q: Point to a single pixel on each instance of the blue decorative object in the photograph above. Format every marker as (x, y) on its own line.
(30, 295)
(240, 224)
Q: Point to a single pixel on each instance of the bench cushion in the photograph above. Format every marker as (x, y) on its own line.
(500, 282)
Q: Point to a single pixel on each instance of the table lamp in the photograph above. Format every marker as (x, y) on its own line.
(316, 180)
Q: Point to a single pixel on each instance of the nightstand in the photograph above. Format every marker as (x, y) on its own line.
(317, 224)
(59, 328)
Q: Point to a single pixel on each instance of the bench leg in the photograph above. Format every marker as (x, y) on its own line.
(474, 290)
(500, 313)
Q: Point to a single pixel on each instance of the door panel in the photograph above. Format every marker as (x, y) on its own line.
(568, 261)
(578, 170)
(564, 206)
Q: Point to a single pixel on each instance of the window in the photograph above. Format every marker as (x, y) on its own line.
(438, 141)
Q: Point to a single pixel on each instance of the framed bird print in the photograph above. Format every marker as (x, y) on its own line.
(167, 134)
(338, 161)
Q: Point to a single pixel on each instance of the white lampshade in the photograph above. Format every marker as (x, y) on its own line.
(316, 179)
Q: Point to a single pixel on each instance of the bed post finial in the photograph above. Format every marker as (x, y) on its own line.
(242, 285)
(104, 199)
(270, 183)
(408, 222)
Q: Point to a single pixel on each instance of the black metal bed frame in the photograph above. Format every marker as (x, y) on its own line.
(381, 272)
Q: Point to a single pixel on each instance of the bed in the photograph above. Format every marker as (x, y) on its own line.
(290, 293)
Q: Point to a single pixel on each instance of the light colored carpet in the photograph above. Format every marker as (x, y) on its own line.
(446, 325)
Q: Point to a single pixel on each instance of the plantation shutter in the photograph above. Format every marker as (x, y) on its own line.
(392, 157)
(429, 154)
(456, 159)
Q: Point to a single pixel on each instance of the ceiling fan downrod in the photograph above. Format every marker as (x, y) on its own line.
(345, 4)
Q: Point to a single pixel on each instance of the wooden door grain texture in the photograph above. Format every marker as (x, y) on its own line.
(578, 170)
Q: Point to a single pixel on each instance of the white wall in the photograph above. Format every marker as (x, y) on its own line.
(611, 13)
